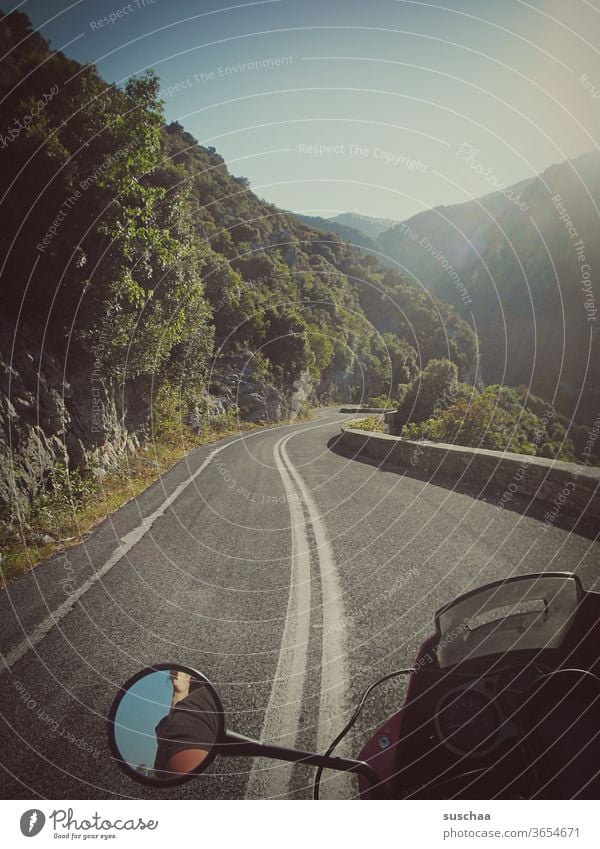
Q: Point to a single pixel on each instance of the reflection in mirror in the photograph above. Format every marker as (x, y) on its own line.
(166, 724)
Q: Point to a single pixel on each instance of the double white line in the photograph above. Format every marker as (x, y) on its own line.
(282, 717)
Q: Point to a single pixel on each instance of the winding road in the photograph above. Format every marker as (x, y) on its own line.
(289, 574)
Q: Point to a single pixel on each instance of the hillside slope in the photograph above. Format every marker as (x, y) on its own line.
(525, 274)
(138, 271)
(347, 232)
(370, 225)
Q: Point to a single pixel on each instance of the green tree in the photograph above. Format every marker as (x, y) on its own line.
(403, 361)
(286, 343)
(495, 418)
(435, 389)
(479, 422)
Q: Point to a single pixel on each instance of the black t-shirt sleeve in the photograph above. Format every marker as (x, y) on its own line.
(191, 724)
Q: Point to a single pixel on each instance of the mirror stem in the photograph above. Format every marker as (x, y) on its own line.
(237, 745)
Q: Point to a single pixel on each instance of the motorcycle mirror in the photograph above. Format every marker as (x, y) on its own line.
(165, 724)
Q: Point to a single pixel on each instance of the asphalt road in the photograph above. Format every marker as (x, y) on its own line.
(290, 575)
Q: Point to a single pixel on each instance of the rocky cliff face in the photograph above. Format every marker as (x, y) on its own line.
(47, 418)
(237, 381)
(32, 417)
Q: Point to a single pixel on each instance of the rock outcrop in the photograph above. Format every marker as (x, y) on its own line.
(50, 417)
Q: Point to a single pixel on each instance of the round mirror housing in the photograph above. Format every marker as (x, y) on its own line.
(165, 724)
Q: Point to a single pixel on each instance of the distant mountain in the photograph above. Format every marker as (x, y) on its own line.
(368, 224)
(357, 228)
(520, 265)
(349, 234)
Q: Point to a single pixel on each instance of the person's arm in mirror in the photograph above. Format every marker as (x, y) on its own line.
(180, 681)
(187, 760)
(187, 733)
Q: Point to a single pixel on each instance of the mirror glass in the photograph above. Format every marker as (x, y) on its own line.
(165, 723)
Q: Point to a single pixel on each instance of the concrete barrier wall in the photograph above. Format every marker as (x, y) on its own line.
(559, 488)
(353, 408)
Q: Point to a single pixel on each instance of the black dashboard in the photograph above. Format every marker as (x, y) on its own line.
(476, 717)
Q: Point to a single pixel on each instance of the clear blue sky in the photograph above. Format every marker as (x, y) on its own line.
(382, 82)
(140, 711)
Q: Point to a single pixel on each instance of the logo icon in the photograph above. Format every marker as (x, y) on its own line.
(32, 822)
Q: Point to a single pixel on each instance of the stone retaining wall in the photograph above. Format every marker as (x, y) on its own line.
(354, 408)
(559, 488)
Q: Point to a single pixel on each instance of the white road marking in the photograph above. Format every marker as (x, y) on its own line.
(333, 657)
(126, 544)
(334, 669)
(282, 716)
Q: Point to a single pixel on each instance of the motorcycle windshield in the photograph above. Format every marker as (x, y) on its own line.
(529, 612)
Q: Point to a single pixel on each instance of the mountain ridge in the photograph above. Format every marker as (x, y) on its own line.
(521, 277)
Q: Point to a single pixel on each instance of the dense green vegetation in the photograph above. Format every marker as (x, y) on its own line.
(373, 424)
(437, 406)
(141, 257)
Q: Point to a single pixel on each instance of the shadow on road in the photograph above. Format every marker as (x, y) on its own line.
(489, 493)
